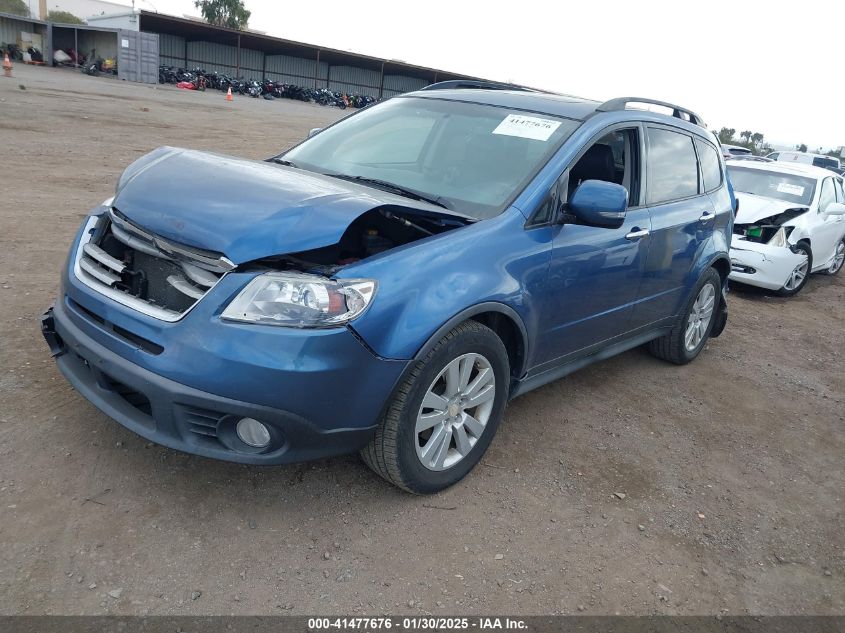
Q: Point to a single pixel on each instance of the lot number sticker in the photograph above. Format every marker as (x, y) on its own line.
(792, 190)
(527, 127)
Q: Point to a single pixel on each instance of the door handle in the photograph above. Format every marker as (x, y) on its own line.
(637, 233)
(707, 216)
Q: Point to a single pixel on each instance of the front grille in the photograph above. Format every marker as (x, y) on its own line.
(148, 273)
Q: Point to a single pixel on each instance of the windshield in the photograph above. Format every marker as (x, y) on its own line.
(471, 158)
(772, 184)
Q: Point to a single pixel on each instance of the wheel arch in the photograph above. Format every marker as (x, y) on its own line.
(500, 318)
(722, 265)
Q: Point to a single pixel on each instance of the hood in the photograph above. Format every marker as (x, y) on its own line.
(244, 209)
(753, 208)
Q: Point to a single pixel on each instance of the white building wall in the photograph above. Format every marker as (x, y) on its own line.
(126, 21)
(84, 9)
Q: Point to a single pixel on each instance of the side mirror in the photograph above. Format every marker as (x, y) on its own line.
(599, 203)
(314, 130)
(835, 208)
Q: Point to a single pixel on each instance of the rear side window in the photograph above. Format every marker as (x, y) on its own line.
(711, 169)
(672, 166)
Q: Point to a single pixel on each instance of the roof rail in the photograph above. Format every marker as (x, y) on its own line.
(469, 84)
(677, 111)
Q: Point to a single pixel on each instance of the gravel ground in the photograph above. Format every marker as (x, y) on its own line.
(631, 487)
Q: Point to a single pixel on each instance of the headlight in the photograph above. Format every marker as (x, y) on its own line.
(779, 238)
(298, 300)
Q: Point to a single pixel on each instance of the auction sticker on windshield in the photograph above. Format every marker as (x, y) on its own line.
(792, 190)
(527, 127)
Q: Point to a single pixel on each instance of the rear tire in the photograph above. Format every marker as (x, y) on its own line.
(691, 331)
(442, 417)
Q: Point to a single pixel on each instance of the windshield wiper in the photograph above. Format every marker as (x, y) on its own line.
(286, 163)
(393, 187)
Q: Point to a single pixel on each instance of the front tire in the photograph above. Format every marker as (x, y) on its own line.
(691, 331)
(800, 275)
(838, 259)
(442, 417)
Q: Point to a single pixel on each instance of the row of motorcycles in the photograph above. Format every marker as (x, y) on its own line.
(198, 79)
(15, 52)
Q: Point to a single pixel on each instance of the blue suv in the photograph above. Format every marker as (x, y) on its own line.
(387, 285)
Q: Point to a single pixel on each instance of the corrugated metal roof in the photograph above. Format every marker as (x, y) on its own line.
(162, 23)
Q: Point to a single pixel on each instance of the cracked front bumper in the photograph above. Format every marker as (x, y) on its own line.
(762, 265)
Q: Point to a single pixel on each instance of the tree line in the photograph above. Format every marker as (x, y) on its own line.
(755, 141)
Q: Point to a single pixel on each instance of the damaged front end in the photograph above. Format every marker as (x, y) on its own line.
(165, 279)
(761, 252)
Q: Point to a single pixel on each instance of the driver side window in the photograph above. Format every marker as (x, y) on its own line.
(615, 157)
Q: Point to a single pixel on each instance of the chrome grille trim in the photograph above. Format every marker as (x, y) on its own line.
(95, 271)
(182, 285)
(136, 243)
(97, 274)
(95, 252)
(199, 276)
(167, 249)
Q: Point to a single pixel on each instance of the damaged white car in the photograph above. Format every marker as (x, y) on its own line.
(790, 223)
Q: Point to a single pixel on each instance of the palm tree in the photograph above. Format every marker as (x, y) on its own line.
(746, 135)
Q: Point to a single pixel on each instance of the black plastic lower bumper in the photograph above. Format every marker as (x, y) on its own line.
(181, 417)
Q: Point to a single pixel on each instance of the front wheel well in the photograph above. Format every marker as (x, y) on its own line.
(723, 267)
(509, 333)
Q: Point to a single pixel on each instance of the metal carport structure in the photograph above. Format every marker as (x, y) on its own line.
(190, 43)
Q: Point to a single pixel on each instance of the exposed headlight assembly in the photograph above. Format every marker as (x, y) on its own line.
(779, 238)
(299, 300)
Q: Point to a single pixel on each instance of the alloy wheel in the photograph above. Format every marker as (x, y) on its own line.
(838, 258)
(455, 411)
(699, 318)
(797, 276)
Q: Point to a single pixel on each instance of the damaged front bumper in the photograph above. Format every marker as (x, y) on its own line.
(762, 265)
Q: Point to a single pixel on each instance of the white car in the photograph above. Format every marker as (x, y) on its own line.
(790, 223)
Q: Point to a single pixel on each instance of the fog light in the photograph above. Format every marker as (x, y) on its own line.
(253, 433)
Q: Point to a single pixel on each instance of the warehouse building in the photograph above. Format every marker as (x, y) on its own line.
(143, 40)
(190, 43)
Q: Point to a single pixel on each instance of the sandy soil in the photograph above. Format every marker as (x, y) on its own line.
(731, 467)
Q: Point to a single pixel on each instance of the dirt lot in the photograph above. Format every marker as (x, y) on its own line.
(731, 467)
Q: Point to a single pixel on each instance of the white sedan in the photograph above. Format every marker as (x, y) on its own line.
(790, 223)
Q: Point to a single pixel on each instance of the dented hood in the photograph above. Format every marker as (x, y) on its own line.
(753, 208)
(244, 209)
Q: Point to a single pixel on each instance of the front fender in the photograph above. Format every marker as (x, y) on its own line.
(492, 265)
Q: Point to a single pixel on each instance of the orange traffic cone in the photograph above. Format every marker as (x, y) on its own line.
(228, 92)
(7, 66)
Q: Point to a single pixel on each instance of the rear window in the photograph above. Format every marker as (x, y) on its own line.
(711, 169)
(672, 166)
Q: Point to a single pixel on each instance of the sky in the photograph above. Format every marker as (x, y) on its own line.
(745, 64)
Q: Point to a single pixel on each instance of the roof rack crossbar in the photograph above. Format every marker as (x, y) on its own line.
(470, 84)
(677, 111)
